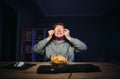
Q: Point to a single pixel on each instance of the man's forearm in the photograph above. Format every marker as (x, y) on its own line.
(78, 44)
(40, 45)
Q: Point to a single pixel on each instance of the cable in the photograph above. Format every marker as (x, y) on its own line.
(69, 75)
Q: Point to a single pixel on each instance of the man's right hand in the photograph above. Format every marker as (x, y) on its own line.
(50, 34)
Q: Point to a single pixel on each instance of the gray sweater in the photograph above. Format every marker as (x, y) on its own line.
(64, 48)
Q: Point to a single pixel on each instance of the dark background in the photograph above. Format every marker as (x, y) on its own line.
(95, 22)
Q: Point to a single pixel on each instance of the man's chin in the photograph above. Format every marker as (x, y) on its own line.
(59, 37)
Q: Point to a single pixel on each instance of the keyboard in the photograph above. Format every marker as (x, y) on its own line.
(69, 68)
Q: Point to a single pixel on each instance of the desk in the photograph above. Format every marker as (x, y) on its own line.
(109, 71)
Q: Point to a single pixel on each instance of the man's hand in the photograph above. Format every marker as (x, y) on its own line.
(50, 34)
(67, 34)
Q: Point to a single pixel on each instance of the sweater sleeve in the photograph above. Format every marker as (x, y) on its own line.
(38, 48)
(78, 44)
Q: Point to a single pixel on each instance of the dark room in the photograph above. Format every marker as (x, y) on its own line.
(83, 36)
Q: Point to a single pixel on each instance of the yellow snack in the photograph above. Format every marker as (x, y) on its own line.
(58, 59)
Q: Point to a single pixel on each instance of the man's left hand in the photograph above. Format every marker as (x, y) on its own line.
(67, 34)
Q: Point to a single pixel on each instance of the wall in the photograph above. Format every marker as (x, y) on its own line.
(112, 33)
(8, 33)
(112, 37)
(1, 17)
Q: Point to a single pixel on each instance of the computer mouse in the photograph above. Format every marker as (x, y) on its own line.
(19, 64)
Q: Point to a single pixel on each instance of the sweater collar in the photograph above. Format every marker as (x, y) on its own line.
(55, 41)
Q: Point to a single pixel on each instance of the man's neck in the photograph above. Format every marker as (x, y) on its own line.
(59, 39)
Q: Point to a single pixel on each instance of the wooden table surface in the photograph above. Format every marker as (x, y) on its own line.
(109, 71)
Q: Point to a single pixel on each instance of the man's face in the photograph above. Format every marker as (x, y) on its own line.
(59, 31)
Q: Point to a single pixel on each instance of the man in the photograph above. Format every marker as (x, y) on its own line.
(59, 43)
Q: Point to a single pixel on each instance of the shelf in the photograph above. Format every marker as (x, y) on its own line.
(29, 37)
